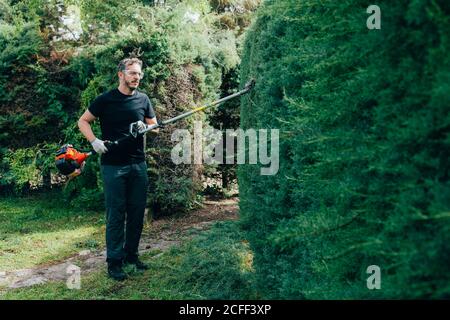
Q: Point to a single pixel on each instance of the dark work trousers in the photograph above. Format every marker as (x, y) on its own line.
(125, 189)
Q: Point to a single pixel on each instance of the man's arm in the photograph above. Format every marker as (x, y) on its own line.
(86, 130)
(152, 121)
(85, 127)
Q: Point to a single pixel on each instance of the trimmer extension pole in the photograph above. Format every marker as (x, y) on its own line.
(249, 85)
(70, 162)
(133, 133)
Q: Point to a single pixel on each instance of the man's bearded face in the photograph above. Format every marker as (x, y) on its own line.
(132, 76)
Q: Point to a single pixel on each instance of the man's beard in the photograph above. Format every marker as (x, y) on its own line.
(132, 86)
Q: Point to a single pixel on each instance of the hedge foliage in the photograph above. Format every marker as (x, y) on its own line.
(364, 149)
(51, 69)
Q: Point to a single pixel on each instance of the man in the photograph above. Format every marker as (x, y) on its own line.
(123, 168)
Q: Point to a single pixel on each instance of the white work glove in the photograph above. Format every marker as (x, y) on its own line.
(141, 126)
(99, 146)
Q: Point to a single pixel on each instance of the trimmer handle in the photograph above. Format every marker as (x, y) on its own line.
(112, 144)
(108, 144)
(134, 129)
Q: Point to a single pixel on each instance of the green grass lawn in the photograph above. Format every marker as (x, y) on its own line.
(215, 264)
(39, 229)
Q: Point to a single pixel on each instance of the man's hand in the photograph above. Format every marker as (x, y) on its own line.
(141, 126)
(99, 146)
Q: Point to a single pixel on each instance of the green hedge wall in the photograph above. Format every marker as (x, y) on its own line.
(364, 149)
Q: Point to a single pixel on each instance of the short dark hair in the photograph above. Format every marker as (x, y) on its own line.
(128, 62)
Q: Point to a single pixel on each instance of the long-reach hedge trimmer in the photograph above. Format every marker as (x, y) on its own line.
(70, 162)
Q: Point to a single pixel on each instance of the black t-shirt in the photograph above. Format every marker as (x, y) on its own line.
(116, 111)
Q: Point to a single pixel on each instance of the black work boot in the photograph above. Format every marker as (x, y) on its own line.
(136, 262)
(115, 271)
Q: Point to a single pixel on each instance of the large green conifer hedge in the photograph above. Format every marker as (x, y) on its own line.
(364, 149)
